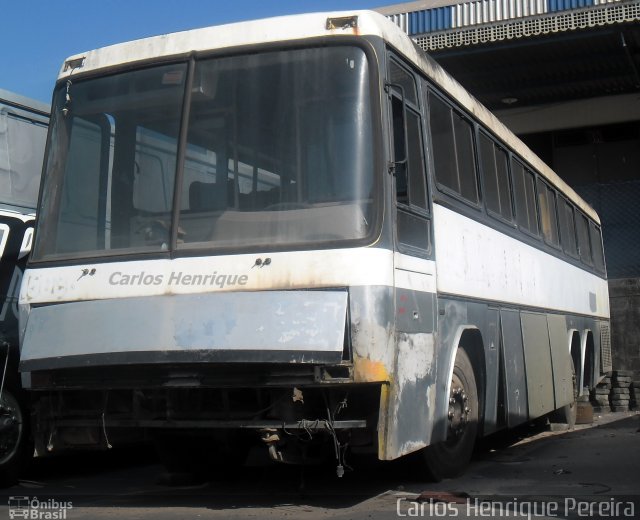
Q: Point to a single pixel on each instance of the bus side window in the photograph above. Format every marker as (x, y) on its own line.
(524, 188)
(596, 244)
(548, 213)
(453, 150)
(495, 170)
(407, 139)
(567, 228)
(403, 79)
(409, 166)
(399, 150)
(584, 244)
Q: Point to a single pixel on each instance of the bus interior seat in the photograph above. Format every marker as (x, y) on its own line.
(204, 196)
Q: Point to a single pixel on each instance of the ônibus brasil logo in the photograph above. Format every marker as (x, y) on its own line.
(34, 509)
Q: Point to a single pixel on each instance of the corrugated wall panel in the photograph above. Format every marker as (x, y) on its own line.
(488, 11)
(482, 12)
(401, 21)
(430, 20)
(564, 5)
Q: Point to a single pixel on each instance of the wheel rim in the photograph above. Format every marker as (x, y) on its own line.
(11, 427)
(459, 411)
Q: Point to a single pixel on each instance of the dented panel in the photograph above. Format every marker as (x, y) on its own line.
(405, 361)
(537, 355)
(304, 322)
(514, 369)
(370, 311)
(559, 339)
(491, 341)
(413, 395)
(415, 311)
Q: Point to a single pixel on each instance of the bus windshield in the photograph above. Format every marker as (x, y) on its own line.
(270, 149)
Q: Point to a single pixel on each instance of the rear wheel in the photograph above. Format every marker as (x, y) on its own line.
(16, 447)
(449, 458)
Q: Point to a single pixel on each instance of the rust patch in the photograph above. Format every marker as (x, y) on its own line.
(367, 371)
(382, 422)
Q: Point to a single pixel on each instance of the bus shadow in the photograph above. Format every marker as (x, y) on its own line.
(132, 478)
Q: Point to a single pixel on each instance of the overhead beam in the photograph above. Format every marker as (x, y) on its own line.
(572, 114)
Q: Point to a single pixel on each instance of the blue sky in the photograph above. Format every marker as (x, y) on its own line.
(37, 35)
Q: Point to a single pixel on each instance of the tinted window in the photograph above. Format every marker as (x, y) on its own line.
(399, 150)
(495, 171)
(413, 230)
(567, 228)
(524, 189)
(443, 145)
(409, 167)
(417, 196)
(401, 77)
(596, 245)
(466, 158)
(584, 244)
(453, 151)
(410, 176)
(548, 213)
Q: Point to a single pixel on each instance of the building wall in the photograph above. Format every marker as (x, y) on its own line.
(624, 295)
(602, 163)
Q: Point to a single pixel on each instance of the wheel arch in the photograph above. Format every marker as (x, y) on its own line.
(469, 338)
(576, 353)
(589, 359)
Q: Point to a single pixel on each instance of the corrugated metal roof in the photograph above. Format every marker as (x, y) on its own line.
(548, 69)
(460, 13)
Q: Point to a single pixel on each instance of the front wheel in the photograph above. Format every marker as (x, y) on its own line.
(16, 448)
(449, 458)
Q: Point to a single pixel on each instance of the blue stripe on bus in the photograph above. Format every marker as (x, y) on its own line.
(564, 5)
(430, 20)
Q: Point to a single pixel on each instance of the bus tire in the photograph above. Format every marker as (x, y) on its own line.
(449, 458)
(568, 413)
(16, 446)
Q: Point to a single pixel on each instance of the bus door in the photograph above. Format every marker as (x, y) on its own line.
(413, 394)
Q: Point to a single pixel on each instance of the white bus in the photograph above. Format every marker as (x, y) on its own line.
(298, 231)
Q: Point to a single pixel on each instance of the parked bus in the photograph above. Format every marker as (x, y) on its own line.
(296, 232)
(23, 132)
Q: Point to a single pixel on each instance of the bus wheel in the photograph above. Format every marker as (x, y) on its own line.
(449, 458)
(568, 413)
(16, 448)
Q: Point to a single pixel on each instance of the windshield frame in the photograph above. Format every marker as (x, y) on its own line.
(374, 229)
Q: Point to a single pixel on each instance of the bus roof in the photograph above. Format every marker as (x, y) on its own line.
(24, 103)
(298, 27)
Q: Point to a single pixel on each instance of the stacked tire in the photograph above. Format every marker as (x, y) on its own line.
(634, 395)
(600, 396)
(620, 394)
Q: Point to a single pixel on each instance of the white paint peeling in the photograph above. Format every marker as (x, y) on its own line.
(467, 251)
(415, 357)
(288, 270)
